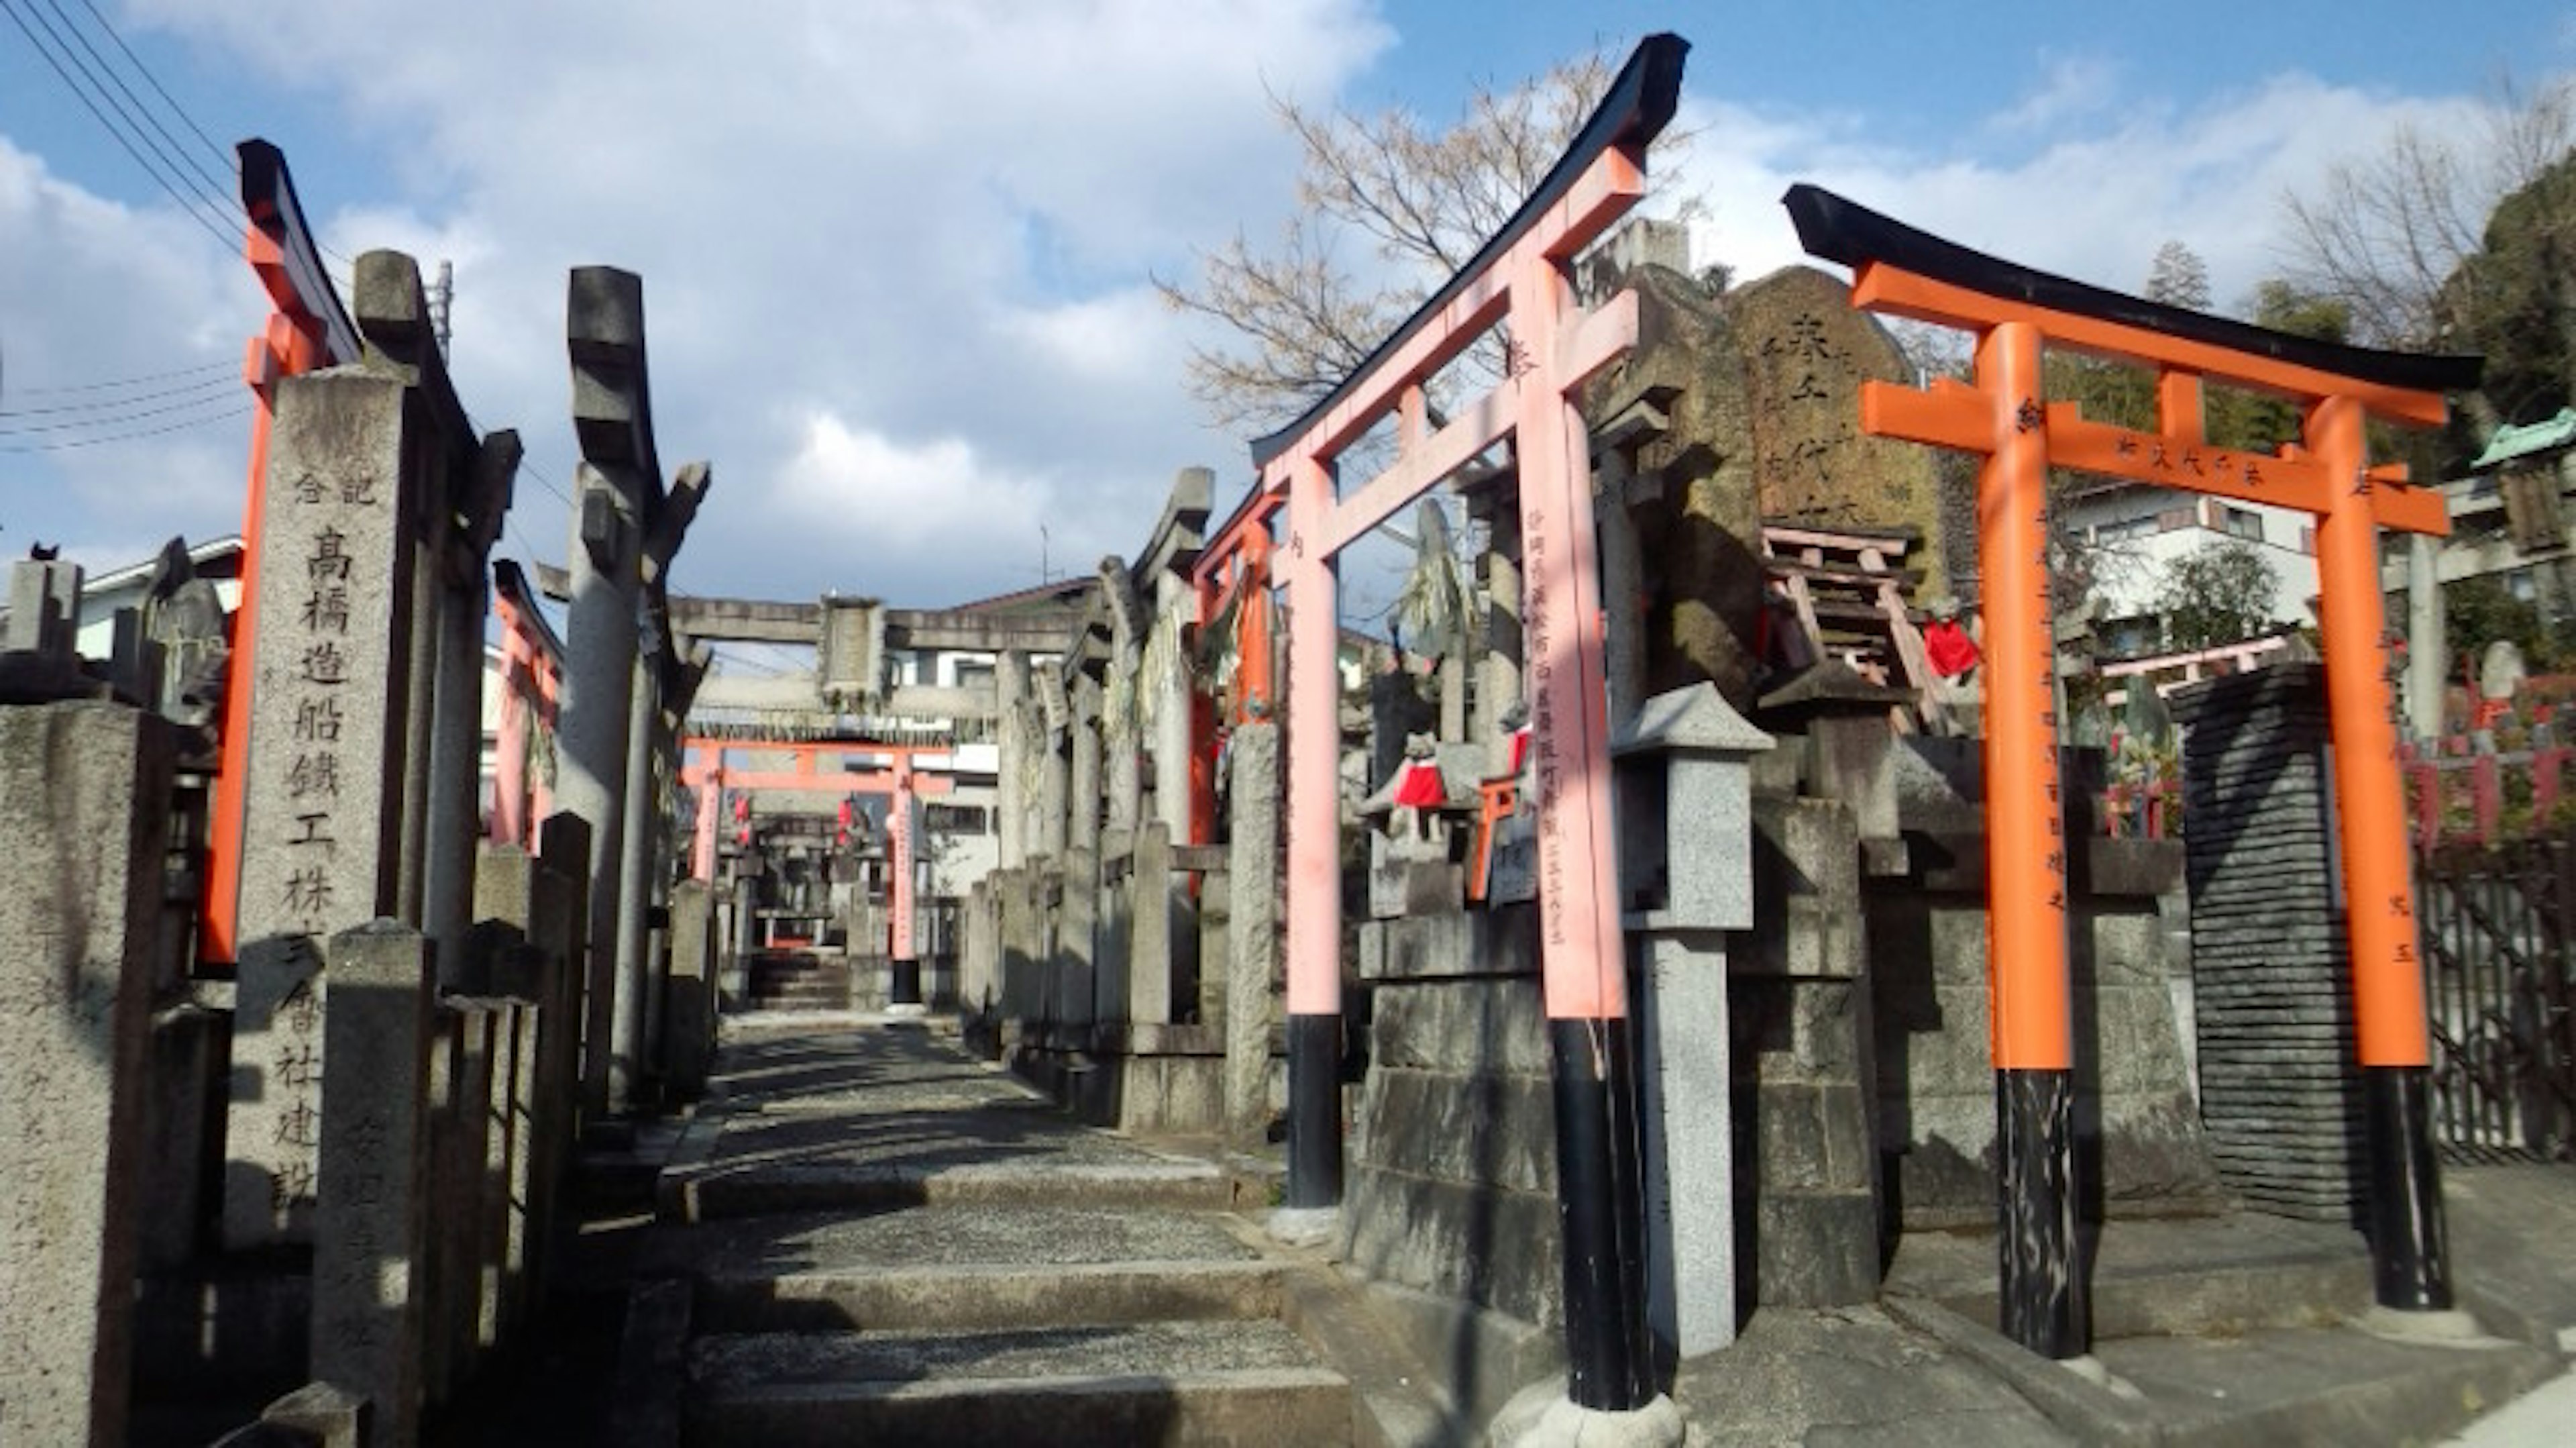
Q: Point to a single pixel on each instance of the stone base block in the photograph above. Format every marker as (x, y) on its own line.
(229, 1327)
(1813, 1249)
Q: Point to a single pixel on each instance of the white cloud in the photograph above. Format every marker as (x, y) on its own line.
(2093, 202)
(2070, 86)
(920, 220)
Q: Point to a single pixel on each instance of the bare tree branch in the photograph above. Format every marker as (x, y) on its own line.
(1300, 314)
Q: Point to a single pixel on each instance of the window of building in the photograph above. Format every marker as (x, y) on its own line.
(955, 819)
(2242, 523)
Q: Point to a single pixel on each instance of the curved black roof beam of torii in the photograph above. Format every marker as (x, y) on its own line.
(268, 197)
(1632, 113)
(1844, 231)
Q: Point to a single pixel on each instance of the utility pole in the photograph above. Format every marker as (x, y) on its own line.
(442, 294)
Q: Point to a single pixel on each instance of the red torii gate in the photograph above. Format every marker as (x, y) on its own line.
(709, 775)
(1518, 283)
(2016, 313)
(307, 328)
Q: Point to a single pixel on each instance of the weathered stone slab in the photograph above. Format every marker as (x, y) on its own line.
(1253, 945)
(322, 831)
(689, 1023)
(371, 1222)
(87, 788)
(1689, 1143)
(1149, 950)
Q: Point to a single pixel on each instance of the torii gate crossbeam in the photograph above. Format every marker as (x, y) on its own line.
(2015, 313)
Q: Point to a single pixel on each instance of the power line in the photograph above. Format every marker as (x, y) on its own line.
(221, 152)
(189, 203)
(532, 470)
(200, 390)
(135, 415)
(111, 384)
(214, 183)
(67, 445)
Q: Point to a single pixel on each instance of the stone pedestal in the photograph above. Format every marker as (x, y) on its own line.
(88, 786)
(371, 1225)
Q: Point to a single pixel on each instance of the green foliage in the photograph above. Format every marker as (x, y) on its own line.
(2218, 594)
(2480, 611)
(2514, 299)
(2250, 422)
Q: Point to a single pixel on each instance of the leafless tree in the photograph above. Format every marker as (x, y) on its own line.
(1386, 210)
(2382, 233)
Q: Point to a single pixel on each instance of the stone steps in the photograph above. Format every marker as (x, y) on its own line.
(1232, 1382)
(869, 1236)
(1014, 1322)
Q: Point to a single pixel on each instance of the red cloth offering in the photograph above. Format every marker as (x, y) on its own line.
(1948, 649)
(1419, 787)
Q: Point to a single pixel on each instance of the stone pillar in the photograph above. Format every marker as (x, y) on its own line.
(632, 1017)
(626, 530)
(689, 1021)
(1054, 813)
(1252, 935)
(2428, 649)
(1686, 855)
(1149, 937)
(456, 745)
(558, 925)
(1168, 678)
(1120, 730)
(372, 1223)
(1499, 673)
(1087, 729)
(322, 829)
(88, 787)
(1079, 938)
(591, 738)
(980, 949)
(1017, 759)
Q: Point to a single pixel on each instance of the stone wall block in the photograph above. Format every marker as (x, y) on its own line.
(371, 1224)
(88, 787)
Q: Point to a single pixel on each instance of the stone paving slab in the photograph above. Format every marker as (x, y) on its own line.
(879, 1116)
(944, 1237)
(1146, 1349)
(2513, 1243)
(2230, 1273)
(2319, 1386)
(1855, 1378)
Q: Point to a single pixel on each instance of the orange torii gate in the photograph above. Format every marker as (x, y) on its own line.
(1517, 285)
(1232, 576)
(307, 328)
(705, 771)
(2015, 313)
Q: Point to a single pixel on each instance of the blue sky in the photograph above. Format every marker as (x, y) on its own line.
(897, 254)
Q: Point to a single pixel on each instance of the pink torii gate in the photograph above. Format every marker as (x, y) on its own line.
(531, 683)
(705, 771)
(1518, 283)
